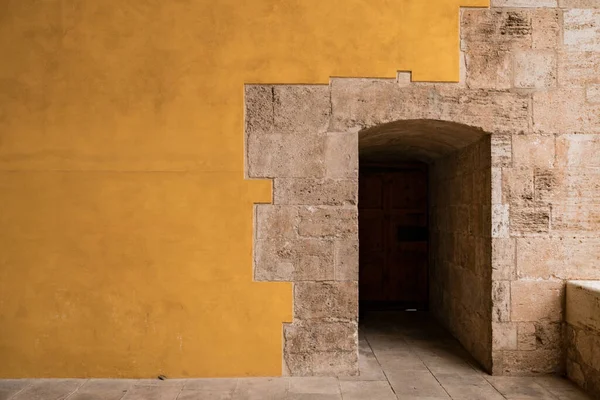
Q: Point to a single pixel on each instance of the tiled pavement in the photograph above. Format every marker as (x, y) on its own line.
(402, 356)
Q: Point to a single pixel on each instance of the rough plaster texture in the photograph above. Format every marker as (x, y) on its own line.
(582, 334)
(460, 246)
(530, 81)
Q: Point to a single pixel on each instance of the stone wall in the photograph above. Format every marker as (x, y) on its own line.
(582, 334)
(531, 80)
(460, 246)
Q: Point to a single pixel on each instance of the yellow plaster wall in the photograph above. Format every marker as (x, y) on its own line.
(125, 221)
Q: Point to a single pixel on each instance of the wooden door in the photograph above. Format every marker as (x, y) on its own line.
(393, 235)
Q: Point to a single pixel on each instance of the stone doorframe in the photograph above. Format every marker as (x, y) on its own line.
(305, 138)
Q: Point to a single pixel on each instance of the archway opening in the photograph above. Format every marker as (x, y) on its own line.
(424, 227)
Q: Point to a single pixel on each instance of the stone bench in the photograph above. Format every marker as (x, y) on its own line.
(583, 334)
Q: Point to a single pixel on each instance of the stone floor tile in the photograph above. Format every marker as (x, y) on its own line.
(313, 396)
(310, 385)
(50, 389)
(562, 388)
(212, 385)
(103, 389)
(416, 383)
(158, 382)
(401, 362)
(204, 395)
(10, 387)
(261, 389)
(468, 387)
(367, 390)
(520, 388)
(368, 370)
(152, 392)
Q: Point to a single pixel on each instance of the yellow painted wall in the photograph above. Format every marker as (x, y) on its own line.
(125, 221)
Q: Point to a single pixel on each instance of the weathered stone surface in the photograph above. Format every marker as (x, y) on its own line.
(328, 222)
(592, 93)
(536, 300)
(526, 221)
(533, 150)
(276, 221)
(333, 301)
(322, 363)
(332, 192)
(498, 29)
(524, 3)
(563, 258)
(301, 109)
(582, 150)
(293, 260)
(526, 336)
(341, 155)
(546, 23)
(532, 362)
(579, 3)
(500, 221)
(258, 100)
(576, 220)
(577, 68)
(548, 335)
(504, 336)
(501, 150)
(310, 337)
(517, 186)
(501, 301)
(583, 305)
(489, 70)
(285, 155)
(535, 69)
(572, 186)
(496, 181)
(564, 111)
(346, 260)
(582, 29)
(503, 258)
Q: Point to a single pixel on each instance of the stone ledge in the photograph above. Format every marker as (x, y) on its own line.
(583, 304)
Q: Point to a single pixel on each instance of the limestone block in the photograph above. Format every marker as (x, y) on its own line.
(301, 109)
(582, 30)
(576, 68)
(578, 150)
(504, 336)
(579, 3)
(276, 221)
(592, 93)
(293, 260)
(503, 258)
(517, 186)
(532, 362)
(501, 150)
(564, 111)
(546, 23)
(489, 69)
(495, 29)
(496, 178)
(341, 155)
(332, 192)
(501, 301)
(500, 221)
(533, 150)
(576, 220)
(311, 337)
(258, 100)
(571, 186)
(535, 69)
(528, 221)
(326, 301)
(526, 336)
(548, 335)
(583, 304)
(285, 155)
(524, 3)
(322, 363)
(536, 300)
(328, 222)
(563, 258)
(346, 260)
